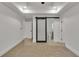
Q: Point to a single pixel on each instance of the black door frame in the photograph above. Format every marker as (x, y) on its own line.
(41, 18)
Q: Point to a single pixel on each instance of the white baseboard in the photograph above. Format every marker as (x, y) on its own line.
(72, 49)
(12, 46)
(59, 41)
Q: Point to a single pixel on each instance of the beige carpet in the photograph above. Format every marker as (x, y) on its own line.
(29, 49)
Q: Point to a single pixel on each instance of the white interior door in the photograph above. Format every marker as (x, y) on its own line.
(41, 30)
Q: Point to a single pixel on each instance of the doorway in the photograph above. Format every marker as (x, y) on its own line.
(41, 29)
(53, 29)
(50, 29)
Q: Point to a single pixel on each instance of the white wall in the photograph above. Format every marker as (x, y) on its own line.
(71, 29)
(28, 29)
(10, 29)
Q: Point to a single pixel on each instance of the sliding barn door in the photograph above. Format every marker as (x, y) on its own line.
(41, 29)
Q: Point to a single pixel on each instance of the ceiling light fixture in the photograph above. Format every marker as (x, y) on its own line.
(55, 8)
(42, 2)
(24, 7)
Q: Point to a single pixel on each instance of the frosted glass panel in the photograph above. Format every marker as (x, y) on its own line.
(41, 30)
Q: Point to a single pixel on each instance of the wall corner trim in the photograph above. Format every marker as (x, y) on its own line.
(72, 49)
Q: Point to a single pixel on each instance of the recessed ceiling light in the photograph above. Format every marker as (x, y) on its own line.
(24, 7)
(24, 10)
(55, 8)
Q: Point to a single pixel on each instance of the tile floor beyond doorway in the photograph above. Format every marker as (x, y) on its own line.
(29, 49)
